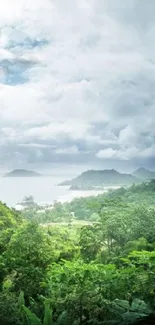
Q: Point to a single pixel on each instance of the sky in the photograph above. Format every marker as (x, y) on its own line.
(77, 84)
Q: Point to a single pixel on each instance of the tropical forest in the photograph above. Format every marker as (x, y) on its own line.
(90, 261)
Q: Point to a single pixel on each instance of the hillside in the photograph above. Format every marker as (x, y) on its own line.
(9, 219)
(98, 178)
(22, 173)
(100, 249)
(144, 174)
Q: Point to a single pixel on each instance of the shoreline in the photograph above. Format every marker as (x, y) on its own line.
(70, 196)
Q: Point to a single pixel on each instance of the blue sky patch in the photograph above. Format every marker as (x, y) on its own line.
(15, 71)
(27, 43)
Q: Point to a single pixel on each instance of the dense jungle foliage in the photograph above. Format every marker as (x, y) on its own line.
(74, 274)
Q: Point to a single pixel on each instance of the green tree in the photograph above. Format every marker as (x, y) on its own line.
(27, 257)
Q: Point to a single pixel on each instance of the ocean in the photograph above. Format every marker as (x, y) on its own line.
(43, 189)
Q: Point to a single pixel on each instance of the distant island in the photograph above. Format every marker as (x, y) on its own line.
(97, 179)
(144, 174)
(22, 173)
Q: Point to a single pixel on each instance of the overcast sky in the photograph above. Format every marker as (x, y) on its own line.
(77, 83)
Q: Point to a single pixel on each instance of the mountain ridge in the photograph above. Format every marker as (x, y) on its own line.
(101, 178)
(144, 173)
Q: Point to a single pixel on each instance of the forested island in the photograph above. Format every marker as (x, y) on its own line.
(99, 179)
(22, 173)
(91, 261)
(93, 179)
(144, 174)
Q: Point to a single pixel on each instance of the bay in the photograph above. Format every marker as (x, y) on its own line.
(43, 189)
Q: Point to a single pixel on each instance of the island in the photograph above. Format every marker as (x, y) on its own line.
(144, 174)
(93, 179)
(85, 188)
(22, 173)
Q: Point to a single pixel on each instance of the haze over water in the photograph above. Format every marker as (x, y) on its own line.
(43, 189)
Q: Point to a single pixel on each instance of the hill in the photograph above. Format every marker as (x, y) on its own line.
(144, 174)
(10, 218)
(100, 178)
(22, 173)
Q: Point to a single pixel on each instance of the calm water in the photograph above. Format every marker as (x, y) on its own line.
(43, 189)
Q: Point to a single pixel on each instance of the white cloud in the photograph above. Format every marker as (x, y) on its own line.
(68, 151)
(51, 131)
(126, 153)
(107, 153)
(90, 83)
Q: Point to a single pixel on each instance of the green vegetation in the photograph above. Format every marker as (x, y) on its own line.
(88, 209)
(101, 272)
(100, 178)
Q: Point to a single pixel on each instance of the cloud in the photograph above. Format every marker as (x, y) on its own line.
(126, 153)
(68, 151)
(77, 82)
